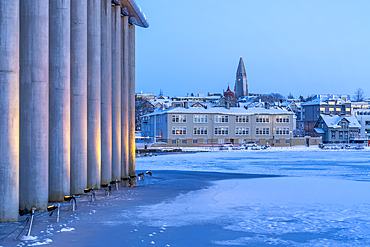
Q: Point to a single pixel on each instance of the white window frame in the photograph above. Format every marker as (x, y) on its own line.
(221, 119)
(262, 119)
(282, 119)
(242, 119)
(200, 118)
(262, 131)
(200, 130)
(178, 118)
(241, 131)
(178, 131)
(223, 130)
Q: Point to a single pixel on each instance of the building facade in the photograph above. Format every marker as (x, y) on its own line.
(216, 126)
(338, 129)
(323, 104)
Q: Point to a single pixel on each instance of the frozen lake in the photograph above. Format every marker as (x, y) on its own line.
(275, 197)
(321, 199)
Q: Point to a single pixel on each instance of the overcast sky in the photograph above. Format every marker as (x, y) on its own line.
(303, 47)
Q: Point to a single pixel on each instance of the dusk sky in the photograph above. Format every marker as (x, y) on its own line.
(302, 47)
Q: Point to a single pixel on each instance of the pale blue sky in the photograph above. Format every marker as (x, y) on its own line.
(302, 47)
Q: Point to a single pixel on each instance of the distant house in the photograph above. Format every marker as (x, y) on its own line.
(338, 129)
(323, 104)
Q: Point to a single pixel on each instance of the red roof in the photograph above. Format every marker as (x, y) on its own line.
(228, 92)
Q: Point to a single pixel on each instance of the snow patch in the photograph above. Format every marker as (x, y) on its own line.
(46, 241)
(67, 229)
(28, 238)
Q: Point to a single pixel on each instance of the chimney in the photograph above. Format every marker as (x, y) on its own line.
(186, 105)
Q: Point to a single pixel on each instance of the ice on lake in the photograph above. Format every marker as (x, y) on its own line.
(321, 198)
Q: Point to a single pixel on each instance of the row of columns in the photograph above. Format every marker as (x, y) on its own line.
(67, 100)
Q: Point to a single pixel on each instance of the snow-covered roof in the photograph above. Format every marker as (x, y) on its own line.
(322, 99)
(221, 110)
(333, 121)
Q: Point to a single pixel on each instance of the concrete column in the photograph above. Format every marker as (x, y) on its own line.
(9, 110)
(78, 96)
(116, 92)
(125, 101)
(59, 99)
(34, 104)
(131, 100)
(106, 92)
(93, 94)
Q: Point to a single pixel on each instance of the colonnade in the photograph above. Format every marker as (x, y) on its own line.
(67, 98)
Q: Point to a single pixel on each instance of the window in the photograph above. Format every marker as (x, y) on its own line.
(200, 119)
(331, 102)
(340, 134)
(287, 141)
(205, 141)
(333, 133)
(173, 141)
(222, 131)
(282, 119)
(221, 119)
(184, 141)
(343, 125)
(331, 109)
(262, 131)
(262, 119)
(367, 122)
(178, 118)
(200, 131)
(322, 109)
(346, 134)
(282, 131)
(241, 131)
(241, 119)
(178, 131)
(348, 109)
(195, 141)
(338, 109)
(277, 141)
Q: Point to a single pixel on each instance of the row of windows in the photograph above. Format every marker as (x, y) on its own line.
(282, 131)
(341, 136)
(225, 131)
(282, 119)
(262, 131)
(225, 119)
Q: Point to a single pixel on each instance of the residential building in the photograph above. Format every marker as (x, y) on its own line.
(338, 129)
(329, 104)
(212, 126)
(361, 110)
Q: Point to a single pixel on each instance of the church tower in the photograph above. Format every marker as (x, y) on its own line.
(241, 86)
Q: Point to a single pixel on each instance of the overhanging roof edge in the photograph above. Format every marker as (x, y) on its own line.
(137, 17)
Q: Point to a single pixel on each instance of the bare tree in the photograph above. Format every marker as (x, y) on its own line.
(359, 95)
(290, 96)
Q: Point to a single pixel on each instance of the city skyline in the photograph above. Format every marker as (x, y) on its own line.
(301, 48)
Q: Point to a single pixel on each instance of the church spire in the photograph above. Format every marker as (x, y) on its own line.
(241, 69)
(241, 86)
